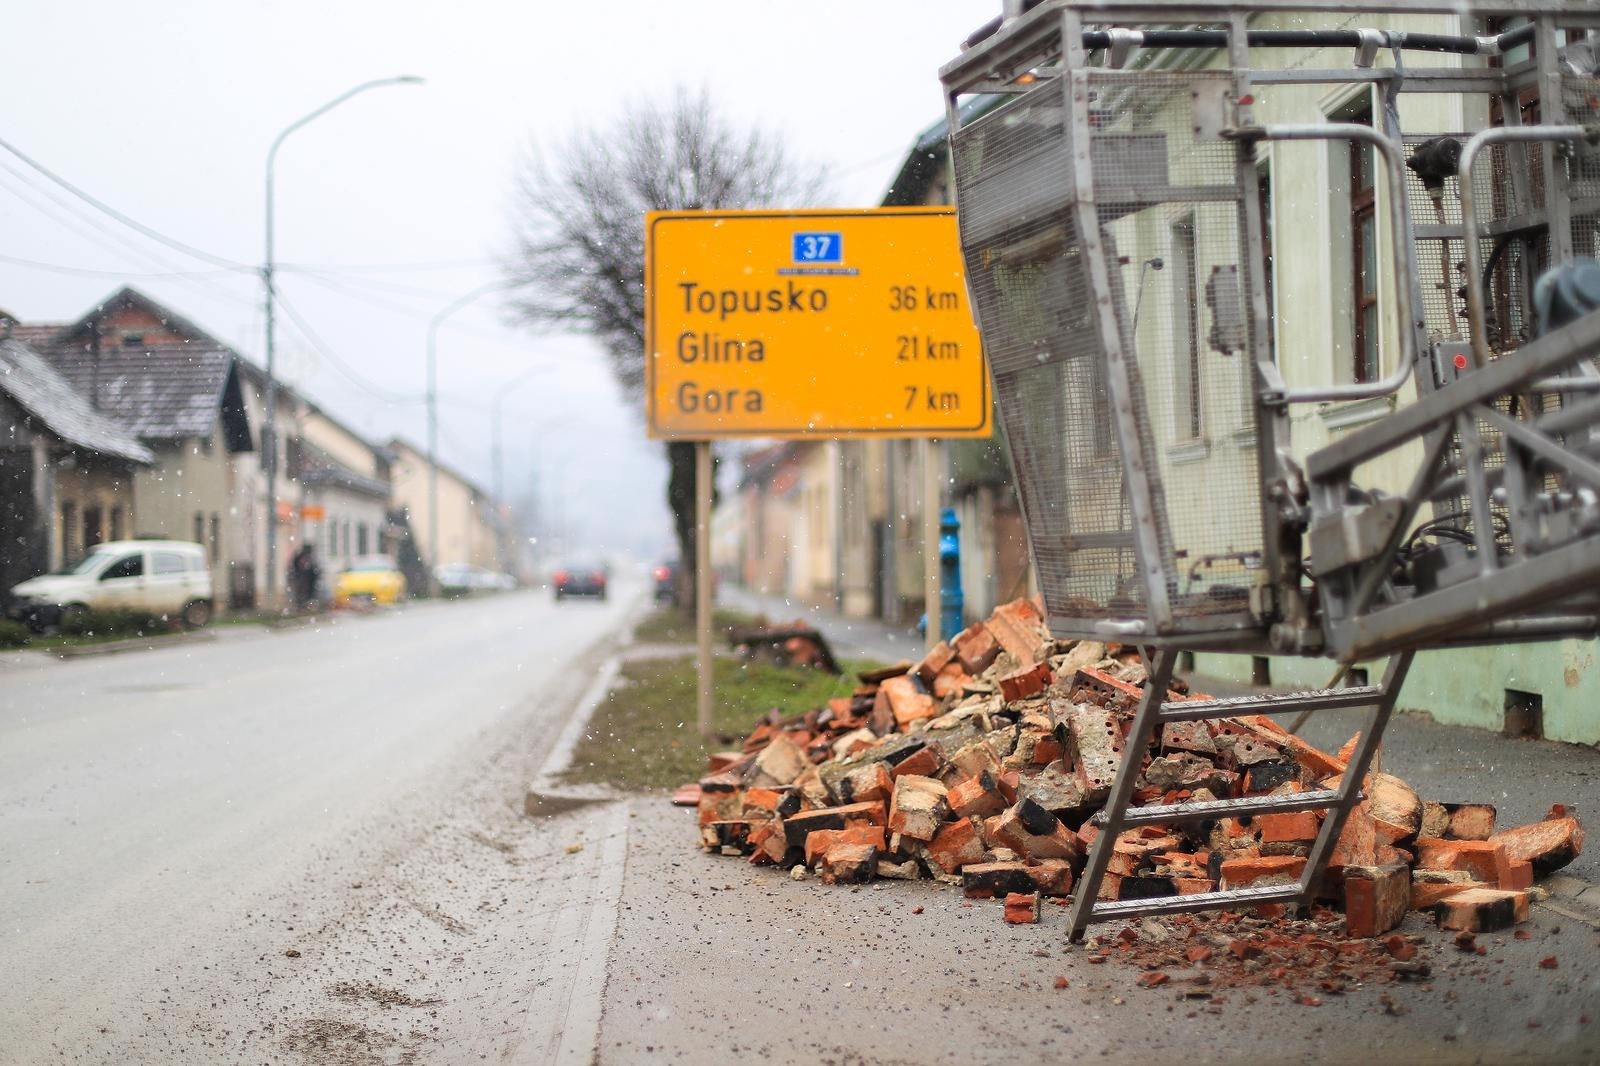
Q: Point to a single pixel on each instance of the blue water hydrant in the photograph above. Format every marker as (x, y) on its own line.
(951, 600)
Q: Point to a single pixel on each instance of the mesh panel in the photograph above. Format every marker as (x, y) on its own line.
(1172, 233)
(1581, 97)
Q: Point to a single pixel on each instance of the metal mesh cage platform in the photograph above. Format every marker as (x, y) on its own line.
(1171, 327)
(1110, 194)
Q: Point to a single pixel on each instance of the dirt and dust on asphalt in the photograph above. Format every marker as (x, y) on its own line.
(446, 925)
(480, 937)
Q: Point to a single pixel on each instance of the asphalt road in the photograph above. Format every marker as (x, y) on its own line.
(173, 822)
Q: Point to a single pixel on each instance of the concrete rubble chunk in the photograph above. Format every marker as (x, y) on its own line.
(917, 807)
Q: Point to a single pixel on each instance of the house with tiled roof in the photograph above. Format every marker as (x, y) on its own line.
(181, 392)
(66, 469)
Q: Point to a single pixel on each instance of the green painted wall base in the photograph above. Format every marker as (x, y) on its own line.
(1466, 686)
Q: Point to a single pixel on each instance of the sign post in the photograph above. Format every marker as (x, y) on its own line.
(704, 490)
(797, 325)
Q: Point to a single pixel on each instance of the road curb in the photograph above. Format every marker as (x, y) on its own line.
(546, 795)
(114, 647)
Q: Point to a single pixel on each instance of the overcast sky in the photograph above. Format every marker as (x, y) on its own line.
(399, 199)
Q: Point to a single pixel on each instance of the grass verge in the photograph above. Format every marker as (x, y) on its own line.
(668, 625)
(643, 733)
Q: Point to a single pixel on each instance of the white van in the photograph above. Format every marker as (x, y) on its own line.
(162, 577)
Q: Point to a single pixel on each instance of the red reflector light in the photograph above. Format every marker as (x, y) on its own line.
(662, 573)
(1460, 361)
(561, 577)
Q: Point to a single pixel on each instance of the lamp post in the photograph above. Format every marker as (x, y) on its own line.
(433, 417)
(269, 427)
(495, 451)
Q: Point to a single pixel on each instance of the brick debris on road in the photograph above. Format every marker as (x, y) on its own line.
(983, 765)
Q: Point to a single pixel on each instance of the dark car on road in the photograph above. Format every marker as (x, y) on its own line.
(583, 577)
(666, 579)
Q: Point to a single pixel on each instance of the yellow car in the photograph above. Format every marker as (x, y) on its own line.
(371, 580)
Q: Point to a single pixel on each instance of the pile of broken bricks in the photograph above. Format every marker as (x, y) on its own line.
(983, 765)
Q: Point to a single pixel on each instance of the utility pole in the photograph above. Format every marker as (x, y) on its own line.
(269, 425)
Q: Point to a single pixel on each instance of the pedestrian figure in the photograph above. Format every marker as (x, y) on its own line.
(304, 573)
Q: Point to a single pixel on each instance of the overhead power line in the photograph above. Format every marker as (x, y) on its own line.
(321, 348)
(95, 272)
(131, 223)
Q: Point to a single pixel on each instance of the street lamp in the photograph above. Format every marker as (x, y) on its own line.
(433, 417)
(499, 478)
(269, 428)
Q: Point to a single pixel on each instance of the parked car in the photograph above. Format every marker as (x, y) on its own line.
(581, 578)
(161, 577)
(372, 580)
(666, 578)
(460, 579)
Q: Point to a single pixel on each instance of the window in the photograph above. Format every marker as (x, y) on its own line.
(199, 527)
(70, 547)
(93, 530)
(116, 523)
(1363, 254)
(1186, 318)
(167, 563)
(361, 539)
(216, 537)
(127, 566)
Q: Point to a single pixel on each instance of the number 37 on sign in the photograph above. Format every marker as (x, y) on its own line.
(810, 324)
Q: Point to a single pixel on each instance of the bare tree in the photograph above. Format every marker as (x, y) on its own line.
(579, 255)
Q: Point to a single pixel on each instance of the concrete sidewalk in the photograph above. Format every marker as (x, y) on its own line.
(714, 959)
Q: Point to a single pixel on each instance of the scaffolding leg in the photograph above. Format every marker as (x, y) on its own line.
(1153, 711)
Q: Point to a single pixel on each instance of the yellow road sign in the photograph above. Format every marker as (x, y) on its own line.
(810, 324)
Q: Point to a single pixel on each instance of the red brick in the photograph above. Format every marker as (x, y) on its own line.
(977, 796)
(761, 800)
(869, 782)
(1008, 830)
(1022, 908)
(1019, 629)
(1053, 877)
(1520, 877)
(1375, 898)
(1299, 827)
(1470, 821)
(1358, 840)
(1482, 910)
(905, 702)
(957, 844)
(819, 841)
(1485, 860)
(849, 864)
(976, 648)
(1029, 681)
(950, 681)
(1266, 869)
(938, 657)
(798, 826)
(924, 763)
(1549, 844)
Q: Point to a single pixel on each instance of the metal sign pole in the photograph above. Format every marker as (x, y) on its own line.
(931, 498)
(702, 581)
